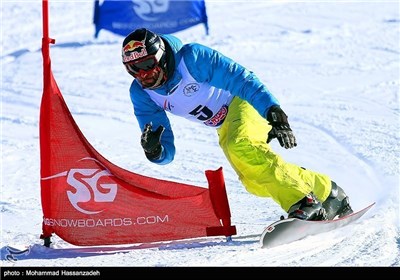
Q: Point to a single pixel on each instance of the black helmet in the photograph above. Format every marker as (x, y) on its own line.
(145, 50)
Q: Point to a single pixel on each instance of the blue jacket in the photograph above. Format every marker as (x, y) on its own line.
(205, 65)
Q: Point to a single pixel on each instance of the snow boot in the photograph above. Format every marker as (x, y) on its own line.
(308, 208)
(337, 203)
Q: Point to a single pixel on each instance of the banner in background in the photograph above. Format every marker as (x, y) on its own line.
(160, 16)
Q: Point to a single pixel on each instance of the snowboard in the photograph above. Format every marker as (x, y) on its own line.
(292, 229)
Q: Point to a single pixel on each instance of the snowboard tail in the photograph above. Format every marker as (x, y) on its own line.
(292, 229)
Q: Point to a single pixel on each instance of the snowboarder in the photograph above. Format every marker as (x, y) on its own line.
(202, 85)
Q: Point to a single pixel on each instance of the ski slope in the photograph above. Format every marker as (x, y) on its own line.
(333, 65)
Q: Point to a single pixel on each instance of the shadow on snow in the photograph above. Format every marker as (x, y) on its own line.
(38, 251)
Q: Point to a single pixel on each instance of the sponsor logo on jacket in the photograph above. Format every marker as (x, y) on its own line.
(218, 118)
(191, 89)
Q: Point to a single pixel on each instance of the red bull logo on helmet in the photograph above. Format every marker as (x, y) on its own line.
(133, 50)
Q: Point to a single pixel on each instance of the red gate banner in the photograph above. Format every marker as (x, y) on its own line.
(87, 200)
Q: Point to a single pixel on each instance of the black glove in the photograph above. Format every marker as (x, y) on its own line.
(280, 128)
(150, 141)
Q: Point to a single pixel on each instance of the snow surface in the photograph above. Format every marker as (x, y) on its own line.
(334, 66)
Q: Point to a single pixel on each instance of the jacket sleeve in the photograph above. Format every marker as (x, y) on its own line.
(208, 65)
(147, 111)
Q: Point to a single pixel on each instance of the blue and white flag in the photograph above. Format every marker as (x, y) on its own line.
(161, 16)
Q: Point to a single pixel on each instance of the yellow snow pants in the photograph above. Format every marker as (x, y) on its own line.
(243, 137)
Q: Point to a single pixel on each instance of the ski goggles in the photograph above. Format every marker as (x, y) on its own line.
(145, 64)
